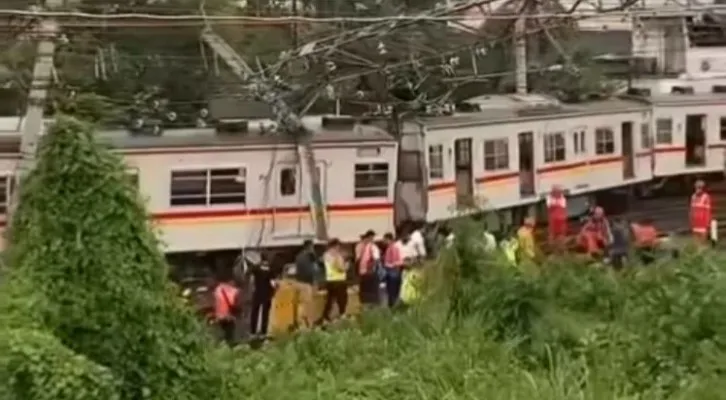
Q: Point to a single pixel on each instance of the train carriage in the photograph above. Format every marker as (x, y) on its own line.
(208, 191)
(689, 134)
(514, 149)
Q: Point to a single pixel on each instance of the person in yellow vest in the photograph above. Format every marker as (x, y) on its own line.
(525, 238)
(336, 285)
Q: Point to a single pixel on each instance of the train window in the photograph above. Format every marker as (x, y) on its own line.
(604, 141)
(6, 183)
(496, 154)
(228, 186)
(288, 182)
(722, 128)
(436, 161)
(371, 180)
(579, 141)
(188, 188)
(663, 131)
(645, 140)
(554, 147)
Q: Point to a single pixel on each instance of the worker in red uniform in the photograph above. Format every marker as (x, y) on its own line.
(700, 212)
(595, 235)
(557, 217)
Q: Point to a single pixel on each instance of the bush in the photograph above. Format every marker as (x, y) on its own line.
(87, 270)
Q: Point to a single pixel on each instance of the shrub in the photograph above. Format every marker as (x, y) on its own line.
(90, 271)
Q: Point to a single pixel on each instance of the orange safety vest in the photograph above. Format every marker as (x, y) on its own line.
(645, 235)
(700, 213)
(225, 296)
(557, 215)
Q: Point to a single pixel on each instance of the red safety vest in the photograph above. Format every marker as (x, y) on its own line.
(557, 215)
(700, 213)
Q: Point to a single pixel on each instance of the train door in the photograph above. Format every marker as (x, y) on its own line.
(628, 153)
(695, 140)
(287, 202)
(463, 173)
(526, 164)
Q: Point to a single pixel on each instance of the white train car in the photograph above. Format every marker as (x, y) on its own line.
(513, 149)
(689, 133)
(208, 191)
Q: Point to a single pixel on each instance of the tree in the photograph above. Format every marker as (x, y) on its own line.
(87, 273)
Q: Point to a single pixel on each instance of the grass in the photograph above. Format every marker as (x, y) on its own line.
(491, 331)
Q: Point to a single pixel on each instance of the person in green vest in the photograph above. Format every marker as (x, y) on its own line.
(336, 285)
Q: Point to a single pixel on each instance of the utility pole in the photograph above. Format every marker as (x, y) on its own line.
(288, 121)
(32, 123)
(520, 51)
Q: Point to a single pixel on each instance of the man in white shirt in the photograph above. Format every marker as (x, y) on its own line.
(417, 243)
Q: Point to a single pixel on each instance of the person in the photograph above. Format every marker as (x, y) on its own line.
(227, 299)
(646, 240)
(336, 286)
(393, 263)
(619, 244)
(416, 242)
(557, 218)
(265, 281)
(700, 212)
(525, 239)
(367, 259)
(305, 276)
(595, 235)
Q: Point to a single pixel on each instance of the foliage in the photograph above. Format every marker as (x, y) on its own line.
(558, 331)
(89, 283)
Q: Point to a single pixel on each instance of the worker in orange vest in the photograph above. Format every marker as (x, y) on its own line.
(595, 235)
(700, 212)
(646, 239)
(557, 217)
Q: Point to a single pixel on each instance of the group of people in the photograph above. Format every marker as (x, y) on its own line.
(602, 238)
(378, 266)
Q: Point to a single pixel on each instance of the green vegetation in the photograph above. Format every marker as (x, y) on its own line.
(86, 312)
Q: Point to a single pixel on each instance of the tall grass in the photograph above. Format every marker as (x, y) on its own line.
(488, 330)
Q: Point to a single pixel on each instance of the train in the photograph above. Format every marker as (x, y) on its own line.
(213, 189)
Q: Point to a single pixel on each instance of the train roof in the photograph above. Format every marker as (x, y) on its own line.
(341, 132)
(498, 109)
(686, 99)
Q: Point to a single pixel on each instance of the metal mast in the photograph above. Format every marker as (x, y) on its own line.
(32, 123)
(288, 121)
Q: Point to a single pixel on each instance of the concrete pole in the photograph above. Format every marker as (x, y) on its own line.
(520, 52)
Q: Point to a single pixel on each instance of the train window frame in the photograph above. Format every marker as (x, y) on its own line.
(497, 158)
(554, 147)
(663, 133)
(646, 141)
(282, 187)
(376, 190)
(604, 140)
(436, 161)
(207, 197)
(187, 199)
(579, 140)
(238, 180)
(6, 180)
(722, 128)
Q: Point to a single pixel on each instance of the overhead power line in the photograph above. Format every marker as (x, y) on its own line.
(203, 20)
